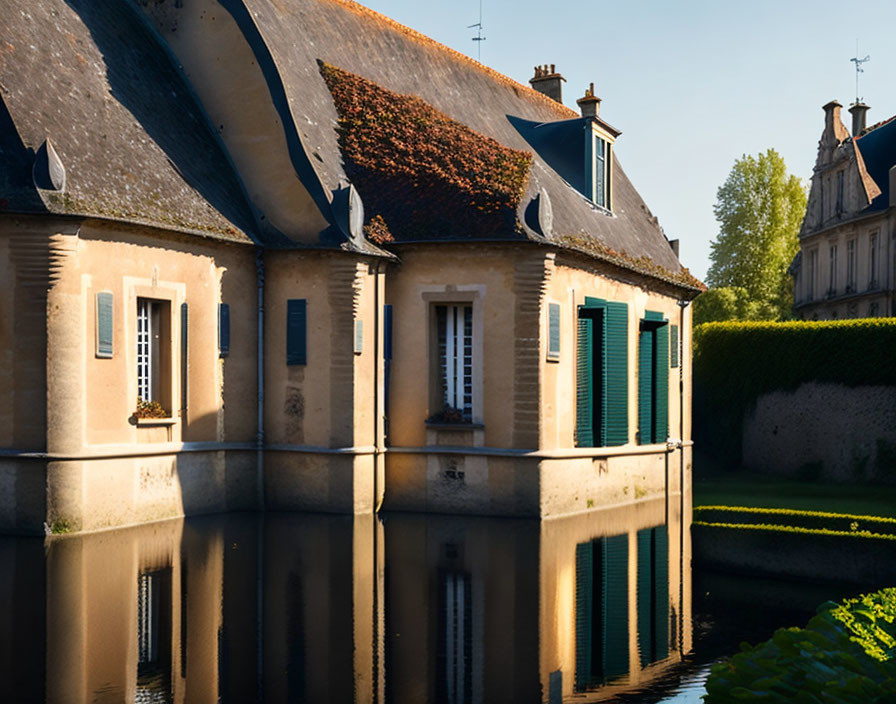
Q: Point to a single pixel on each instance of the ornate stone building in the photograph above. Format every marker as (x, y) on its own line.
(847, 260)
(294, 255)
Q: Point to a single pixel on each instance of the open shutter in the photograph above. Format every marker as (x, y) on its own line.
(184, 358)
(645, 386)
(615, 606)
(661, 385)
(615, 375)
(661, 591)
(223, 329)
(584, 620)
(673, 344)
(104, 324)
(584, 384)
(296, 324)
(645, 596)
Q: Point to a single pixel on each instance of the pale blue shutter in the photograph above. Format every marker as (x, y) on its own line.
(104, 324)
(553, 331)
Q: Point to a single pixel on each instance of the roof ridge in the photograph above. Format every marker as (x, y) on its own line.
(875, 126)
(429, 41)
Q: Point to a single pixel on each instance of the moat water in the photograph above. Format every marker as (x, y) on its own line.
(394, 608)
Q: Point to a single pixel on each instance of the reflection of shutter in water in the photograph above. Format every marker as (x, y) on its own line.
(295, 639)
(601, 611)
(154, 637)
(653, 594)
(454, 657)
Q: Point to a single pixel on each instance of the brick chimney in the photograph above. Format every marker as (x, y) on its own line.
(858, 111)
(831, 115)
(589, 104)
(546, 80)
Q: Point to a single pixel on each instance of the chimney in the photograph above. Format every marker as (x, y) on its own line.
(589, 104)
(547, 81)
(831, 115)
(858, 111)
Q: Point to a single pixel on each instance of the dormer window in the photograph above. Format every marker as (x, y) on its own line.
(600, 171)
(599, 138)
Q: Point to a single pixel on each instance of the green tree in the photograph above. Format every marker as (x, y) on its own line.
(759, 208)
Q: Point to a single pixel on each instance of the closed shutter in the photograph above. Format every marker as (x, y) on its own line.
(645, 596)
(184, 358)
(661, 591)
(104, 324)
(223, 329)
(673, 344)
(661, 385)
(615, 375)
(584, 384)
(553, 331)
(645, 386)
(296, 323)
(584, 603)
(615, 606)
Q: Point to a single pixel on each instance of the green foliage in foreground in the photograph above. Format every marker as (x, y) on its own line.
(832, 523)
(845, 654)
(735, 363)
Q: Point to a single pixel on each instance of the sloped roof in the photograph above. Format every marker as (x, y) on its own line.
(134, 143)
(878, 149)
(300, 33)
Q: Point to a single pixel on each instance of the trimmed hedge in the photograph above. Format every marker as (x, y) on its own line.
(846, 653)
(787, 519)
(736, 362)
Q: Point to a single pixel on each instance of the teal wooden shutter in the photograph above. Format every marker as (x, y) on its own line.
(661, 385)
(184, 358)
(584, 384)
(553, 331)
(584, 617)
(104, 324)
(614, 416)
(615, 606)
(661, 592)
(223, 329)
(673, 344)
(296, 324)
(645, 386)
(645, 596)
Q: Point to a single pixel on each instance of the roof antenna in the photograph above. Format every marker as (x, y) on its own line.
(858, 62)
(478, 38)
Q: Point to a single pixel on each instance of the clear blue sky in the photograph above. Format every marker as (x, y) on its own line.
(692, 85)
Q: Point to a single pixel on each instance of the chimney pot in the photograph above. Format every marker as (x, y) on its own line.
(589, 104)
(548, 82)
(858, 111)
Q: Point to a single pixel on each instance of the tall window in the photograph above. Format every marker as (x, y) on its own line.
(455, 345)
(812, 273)
(839, 192)
(454, 657)
(602, 374)
(832, 274)
(653, 379)
(598, 171)
(154, 351)
(145, 358)
(872, 261)
(851, 266)
(154, 636)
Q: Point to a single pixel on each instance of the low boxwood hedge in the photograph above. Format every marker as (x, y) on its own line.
(736, 362)
(782, 518)
(845, 654)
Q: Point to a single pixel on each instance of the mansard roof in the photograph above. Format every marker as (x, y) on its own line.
(878, 148)
(134, 144)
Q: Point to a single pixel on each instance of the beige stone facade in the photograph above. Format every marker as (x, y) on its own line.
(847, 259)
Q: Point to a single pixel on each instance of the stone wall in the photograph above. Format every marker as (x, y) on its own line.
(824, 431)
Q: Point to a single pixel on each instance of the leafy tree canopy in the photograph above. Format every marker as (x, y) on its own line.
(759, 208)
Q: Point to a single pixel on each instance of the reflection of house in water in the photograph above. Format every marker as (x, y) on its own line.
(248, 264)
(326, 608)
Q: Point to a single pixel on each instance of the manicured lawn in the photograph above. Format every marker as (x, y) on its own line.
(742, 489)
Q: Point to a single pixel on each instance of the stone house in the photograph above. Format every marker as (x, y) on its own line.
(847, 260)
(294, 255)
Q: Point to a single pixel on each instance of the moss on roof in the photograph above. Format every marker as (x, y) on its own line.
(423, 174)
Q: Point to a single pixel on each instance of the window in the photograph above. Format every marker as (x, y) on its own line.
(454, 657)
(154, 351)
(598, 169)
(154, 636)
(653, 594)
(602, 374)
(553, 332)
(810, 278)
(872, 261)
(454, 326)
(851, 266)
(653, 379)
(839, 192)
(832, 273)
(601, 611)
(104, 324)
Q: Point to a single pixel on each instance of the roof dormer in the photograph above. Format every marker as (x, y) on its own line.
(599, 140)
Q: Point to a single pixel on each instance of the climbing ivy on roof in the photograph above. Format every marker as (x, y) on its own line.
(423, 174)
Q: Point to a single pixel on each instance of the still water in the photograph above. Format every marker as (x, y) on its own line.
(397, 608)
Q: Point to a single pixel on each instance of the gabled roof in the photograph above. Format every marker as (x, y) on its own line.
(134, 143)
(878, 149)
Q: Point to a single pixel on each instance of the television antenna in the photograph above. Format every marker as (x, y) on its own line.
(858, 62)
(478, 38)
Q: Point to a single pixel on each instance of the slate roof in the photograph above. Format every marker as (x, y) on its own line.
(878, 148)
(135, 145)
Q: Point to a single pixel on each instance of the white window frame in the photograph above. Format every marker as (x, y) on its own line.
(455, 340)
